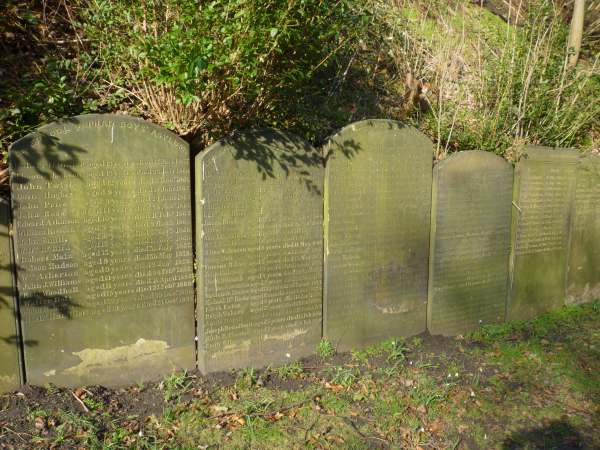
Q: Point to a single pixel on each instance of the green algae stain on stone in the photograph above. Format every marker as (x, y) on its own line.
(377, 216)
(102, 219)
(9, 353)
(470, 242)
(259, 234)
(583, 278)
(543, 194)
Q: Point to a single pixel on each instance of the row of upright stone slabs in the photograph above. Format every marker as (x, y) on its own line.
(583, 276)
(102, 232)
(470, 242)
(9, 342)
(377, 215)
(543, 197)
(259, 240)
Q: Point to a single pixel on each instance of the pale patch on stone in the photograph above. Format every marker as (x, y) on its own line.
(92, 358)
(286, 336)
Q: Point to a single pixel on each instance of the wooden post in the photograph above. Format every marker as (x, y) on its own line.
(576, 32)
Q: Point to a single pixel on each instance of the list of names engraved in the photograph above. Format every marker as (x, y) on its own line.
(260, 249)
(584, 274)
(471, 242)
(102, 218)
(378, 202)
(543, 206)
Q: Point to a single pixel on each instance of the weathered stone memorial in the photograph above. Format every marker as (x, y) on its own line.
(543, 192)
(259, 241)
(377, 215)
(102, 223)
(470, 242)
(9, 342)
(583, 278)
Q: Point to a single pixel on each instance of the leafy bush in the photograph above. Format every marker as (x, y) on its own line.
(205, 67)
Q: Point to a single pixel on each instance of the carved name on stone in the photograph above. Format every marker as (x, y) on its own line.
(259, 221)
(102, 216)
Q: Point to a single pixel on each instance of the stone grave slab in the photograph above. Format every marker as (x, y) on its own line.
(9, 343)
(103, 245)
(259, 235)
(583, 278)
(543, 193)
(377, 217)
(470, 242)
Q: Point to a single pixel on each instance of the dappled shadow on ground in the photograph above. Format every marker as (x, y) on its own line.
(557, 434)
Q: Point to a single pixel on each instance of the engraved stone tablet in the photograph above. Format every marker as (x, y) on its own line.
(259, 234)
(9, 342)
(583, 282)
(102, 216)
(544, 183)
(470, 242)
(377, 217)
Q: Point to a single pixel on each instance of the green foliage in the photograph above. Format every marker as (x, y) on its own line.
(554, 322)
(344, 376)
(246, 378)
(487, 85)
(394, 349)
(174, 386)
(290, 371)
(325, 349)
(183, 62)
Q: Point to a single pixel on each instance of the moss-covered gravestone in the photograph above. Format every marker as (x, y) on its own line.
(259, 219)
(9, 342)
(377, 215)
(102, 223)
(470, 242)
(583, 278)
(543, 193)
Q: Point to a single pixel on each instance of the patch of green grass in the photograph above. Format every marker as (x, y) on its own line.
(394, 349)
(325, 349)
(290, 371)
(344, 376)
(174, 386)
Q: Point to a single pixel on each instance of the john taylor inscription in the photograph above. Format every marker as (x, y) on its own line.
(377, 215)
(259, 209)
(102, 215)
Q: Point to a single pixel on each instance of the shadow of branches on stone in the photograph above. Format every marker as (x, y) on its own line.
(277, 153)
(45, 154)
(62, 306)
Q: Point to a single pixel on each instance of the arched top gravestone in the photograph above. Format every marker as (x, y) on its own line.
(470, 242)
(377, 215)
(259, 219)
(583, 277)
(102, 222)
(543, 197)
(9, 340)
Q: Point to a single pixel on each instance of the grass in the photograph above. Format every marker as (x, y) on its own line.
(532, 384)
